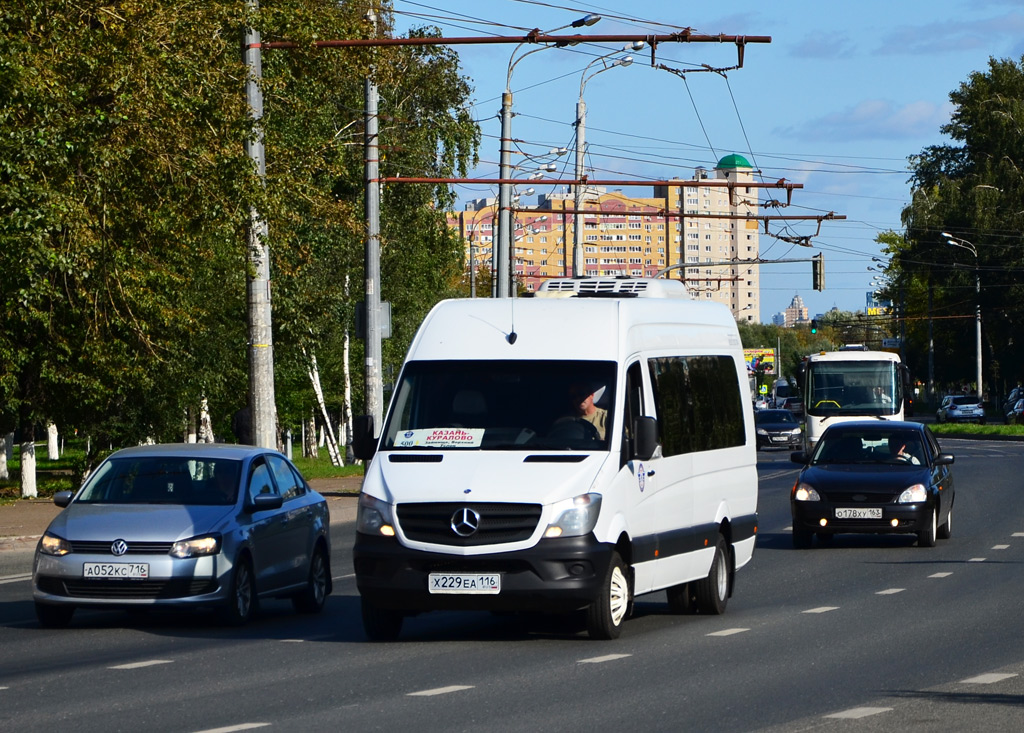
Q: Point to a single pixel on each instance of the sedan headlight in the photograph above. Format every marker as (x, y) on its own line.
(762, 431)
(913, 495)
(575, 517)
(197, 546)
(51, 544)
(795, 431)
(375, 517)
(805, 492)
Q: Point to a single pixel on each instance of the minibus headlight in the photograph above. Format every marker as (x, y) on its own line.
(374, 517)
(913, 495)
(575, 517)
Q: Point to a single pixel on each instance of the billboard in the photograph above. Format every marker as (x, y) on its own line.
(765, 358)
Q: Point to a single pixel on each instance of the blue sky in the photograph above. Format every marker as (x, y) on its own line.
(839, 99)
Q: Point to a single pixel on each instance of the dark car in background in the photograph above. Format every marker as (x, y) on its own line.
(961, 408)
(777, 429)
(185, 526)
(882, 476)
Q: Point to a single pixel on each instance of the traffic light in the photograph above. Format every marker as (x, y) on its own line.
(814, 326)
(818, 271)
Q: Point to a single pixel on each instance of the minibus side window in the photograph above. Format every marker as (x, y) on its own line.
(634, 407)
(697, 399)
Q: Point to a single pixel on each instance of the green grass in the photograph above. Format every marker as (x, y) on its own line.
(972, 429)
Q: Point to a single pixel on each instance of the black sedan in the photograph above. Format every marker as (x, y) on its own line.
(874, 477)
(777, 429)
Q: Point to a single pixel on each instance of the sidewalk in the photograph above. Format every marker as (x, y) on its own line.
(22, 522)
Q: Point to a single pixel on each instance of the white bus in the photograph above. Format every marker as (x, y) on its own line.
(851, 385)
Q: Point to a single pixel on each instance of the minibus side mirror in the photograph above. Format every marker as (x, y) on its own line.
(645, 442)
(364, 445)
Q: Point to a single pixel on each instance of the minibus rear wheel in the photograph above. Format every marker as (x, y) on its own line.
(713, 591)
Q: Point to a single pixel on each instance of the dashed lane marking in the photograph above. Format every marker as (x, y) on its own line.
(977, 559)
(605, 658)
(233, 728)
(821, 609)
(940, 575)
(855, 713)
(987, 679)
(15, 578)
(890, 591)
(292, 641)
(140, 665)
(727, 632)
(1000, 547)
(440, 691)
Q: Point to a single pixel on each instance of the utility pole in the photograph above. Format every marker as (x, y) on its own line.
(374, 379)
(263, 410)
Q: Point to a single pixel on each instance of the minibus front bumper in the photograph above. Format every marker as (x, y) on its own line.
(555, 575)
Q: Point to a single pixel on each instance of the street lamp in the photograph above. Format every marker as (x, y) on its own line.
(964, 244)
(502, 257)
(581, 122)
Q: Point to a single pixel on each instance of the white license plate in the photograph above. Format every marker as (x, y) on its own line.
(859, 513)
(483, 583)
(116, 570)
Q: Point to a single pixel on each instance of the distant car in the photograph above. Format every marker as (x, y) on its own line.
(874, 477)
(1016, 414)
(185, 526)
(961, 408)
(1016, 394)
(777, 429)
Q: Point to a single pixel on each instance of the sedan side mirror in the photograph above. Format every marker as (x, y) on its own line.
(944, 459)
(63, 498)
(800, 457)
(266, 502)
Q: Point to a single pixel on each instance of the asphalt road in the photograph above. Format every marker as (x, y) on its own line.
(870, 633)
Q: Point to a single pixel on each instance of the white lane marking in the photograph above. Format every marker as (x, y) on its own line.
(854, 713)
(292, 641)
(233, 728)
(343, 577)
(1000, 547)
(605, 658)
(139, 665)
(987, 679)
(977, 559)
(940, 575)
(5, 688)
(15, 578)
(889, 591)
(821, 609)
(1017, 534)
(440, 691)
(727, 632)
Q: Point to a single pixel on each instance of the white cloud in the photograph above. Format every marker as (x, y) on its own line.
(875, 119)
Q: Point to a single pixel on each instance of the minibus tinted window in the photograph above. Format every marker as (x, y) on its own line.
(502, 405)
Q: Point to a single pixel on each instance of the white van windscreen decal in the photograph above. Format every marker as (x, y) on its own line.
(440, 438)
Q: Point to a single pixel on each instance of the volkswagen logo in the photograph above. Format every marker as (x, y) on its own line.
(118, 547)
(465, 522)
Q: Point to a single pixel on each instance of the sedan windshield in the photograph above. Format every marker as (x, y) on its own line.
(163, 480)
(769, 417)
(502, 405)
(888, 447)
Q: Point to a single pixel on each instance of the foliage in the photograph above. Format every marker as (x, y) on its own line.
(970, 189)
(125, 194)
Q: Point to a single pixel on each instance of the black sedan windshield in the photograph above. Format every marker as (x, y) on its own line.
(874, 446)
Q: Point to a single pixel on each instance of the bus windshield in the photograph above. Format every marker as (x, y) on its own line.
(502, 405)
(848, 388)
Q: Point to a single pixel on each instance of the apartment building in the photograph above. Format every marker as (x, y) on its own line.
(696, 229)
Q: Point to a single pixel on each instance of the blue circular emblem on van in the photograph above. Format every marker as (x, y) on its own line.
(408, 434)
(641, 476)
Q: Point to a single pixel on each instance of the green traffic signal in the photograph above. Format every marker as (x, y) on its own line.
(814, 326)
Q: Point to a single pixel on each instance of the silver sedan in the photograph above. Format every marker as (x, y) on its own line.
(185, 525)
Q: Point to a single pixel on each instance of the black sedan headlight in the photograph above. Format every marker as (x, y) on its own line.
(805, 492)
(913, 495)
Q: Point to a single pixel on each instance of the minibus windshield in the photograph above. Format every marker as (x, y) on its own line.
(502, 405)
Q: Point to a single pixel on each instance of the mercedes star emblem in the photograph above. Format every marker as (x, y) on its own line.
(465, 522)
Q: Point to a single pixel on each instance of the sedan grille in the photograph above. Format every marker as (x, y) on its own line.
(134, 548)
(498, 523)
(853, 498)
(113, 590)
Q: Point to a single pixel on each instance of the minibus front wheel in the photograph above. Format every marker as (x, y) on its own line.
(606, 615)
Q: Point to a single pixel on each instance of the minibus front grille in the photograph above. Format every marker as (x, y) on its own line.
(452, 523)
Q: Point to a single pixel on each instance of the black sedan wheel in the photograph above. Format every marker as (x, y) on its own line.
(946, 528)
(926, 536)
(802, 539)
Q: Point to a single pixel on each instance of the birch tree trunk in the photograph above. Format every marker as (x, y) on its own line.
(52, 451)
(190, 426)
(309, 436)
(205, 424)
(28, 464)
(345, 431)
(4, 442)
(314, 378)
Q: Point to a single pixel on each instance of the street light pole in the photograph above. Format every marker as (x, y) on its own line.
(578, 270)
(964, 244)
(501, 254)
